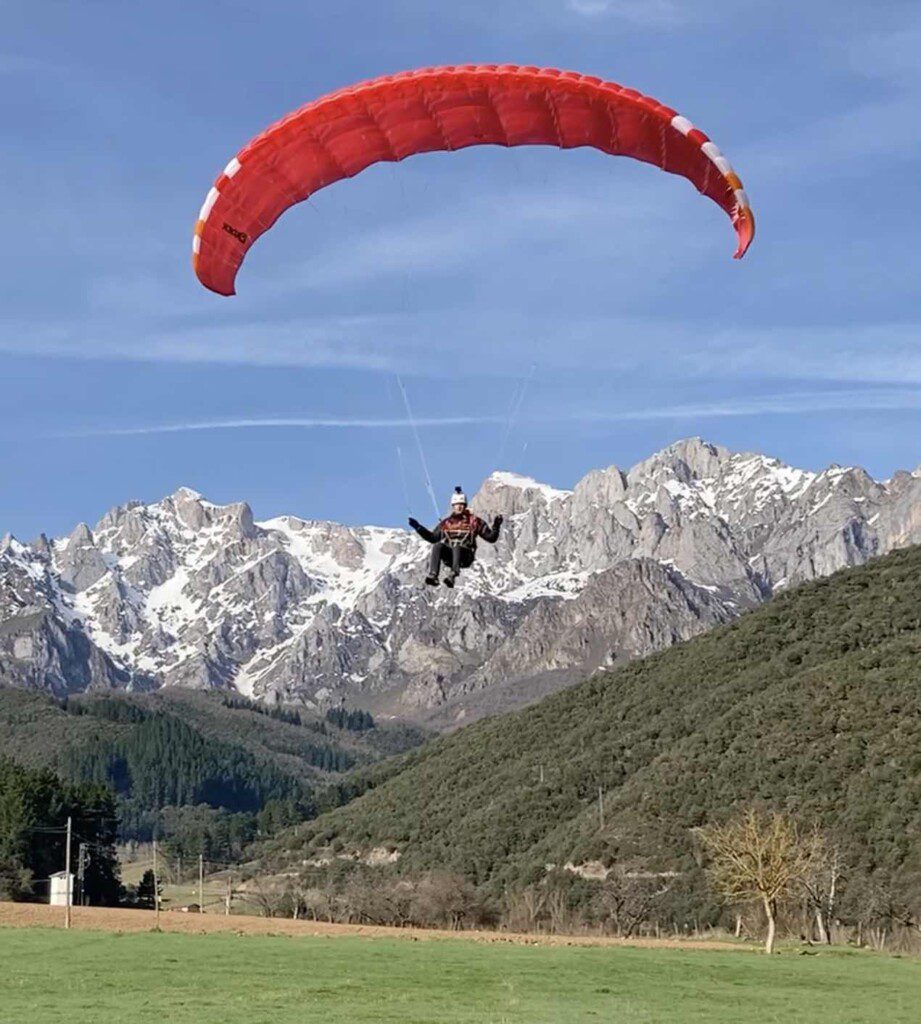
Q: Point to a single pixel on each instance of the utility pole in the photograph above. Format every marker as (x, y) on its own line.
(81, 874)
(67, 889)
(156, 888)
(201, 884)
(229, 895)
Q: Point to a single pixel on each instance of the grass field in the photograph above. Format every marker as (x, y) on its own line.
(50, 976)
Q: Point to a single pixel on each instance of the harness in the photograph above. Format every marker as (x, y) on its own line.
(460, 534)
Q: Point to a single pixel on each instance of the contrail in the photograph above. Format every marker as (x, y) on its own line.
(783, 404)
(312, 423)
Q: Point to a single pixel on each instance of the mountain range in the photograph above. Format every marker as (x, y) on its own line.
(185, 593)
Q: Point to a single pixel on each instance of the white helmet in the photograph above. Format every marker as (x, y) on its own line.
(458, 497)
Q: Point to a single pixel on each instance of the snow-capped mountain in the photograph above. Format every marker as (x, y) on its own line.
(183, 592)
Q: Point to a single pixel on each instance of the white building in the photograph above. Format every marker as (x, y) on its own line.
(61, 882)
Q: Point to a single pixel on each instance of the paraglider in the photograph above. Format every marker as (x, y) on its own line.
(454, 539)
(445, 108)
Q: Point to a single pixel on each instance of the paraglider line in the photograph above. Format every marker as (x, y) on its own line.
(409, 507)
(415, 429)
(514, 408)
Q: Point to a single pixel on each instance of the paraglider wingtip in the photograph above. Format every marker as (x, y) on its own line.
(225, 292)
(745, 229)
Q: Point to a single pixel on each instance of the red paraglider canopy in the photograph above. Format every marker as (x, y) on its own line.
(445, 108)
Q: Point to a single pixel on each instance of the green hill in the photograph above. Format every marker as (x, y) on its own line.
(811, 704)
(183, 749)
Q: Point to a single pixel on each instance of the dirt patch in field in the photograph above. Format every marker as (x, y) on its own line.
(33, 915)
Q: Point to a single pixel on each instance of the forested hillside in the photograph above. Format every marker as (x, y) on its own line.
(34, 808)
(811, 704)
(243, 766)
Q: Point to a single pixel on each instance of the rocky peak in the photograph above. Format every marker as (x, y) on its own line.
(508, 494)
(187, 506)
(603, 487)
(81, 537)
(80, 563)
(685, 460)
(41, 545)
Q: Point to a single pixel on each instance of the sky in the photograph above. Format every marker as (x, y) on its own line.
(547, 312)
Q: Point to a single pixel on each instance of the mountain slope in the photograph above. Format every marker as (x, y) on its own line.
(186, 593)
(812, 703)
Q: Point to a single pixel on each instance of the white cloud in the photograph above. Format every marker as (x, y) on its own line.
(473, 232)
(497, 342)
(648, 13)
(884, 123)
(15, 64)
(784, 404)
(891, 56)
(879, 353)
(358, 342)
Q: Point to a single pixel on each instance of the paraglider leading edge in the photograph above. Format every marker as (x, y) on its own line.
(445, 108)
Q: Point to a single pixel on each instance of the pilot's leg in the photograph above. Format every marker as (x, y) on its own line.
(454, 571)
(435, 558)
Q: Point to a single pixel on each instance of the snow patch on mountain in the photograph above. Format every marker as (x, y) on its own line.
(526, 483)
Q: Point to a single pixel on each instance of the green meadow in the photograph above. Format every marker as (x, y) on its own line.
(51, 977)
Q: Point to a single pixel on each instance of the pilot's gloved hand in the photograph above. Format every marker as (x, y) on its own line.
(414, 523)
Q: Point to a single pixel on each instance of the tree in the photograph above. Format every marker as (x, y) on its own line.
(14, 824)
(372, 897)
(761, 858)
(148, 890)
(442, 899)
(34, 808)
(628, 898)
(821, 886)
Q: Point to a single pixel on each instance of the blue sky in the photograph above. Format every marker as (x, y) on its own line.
(603, 284)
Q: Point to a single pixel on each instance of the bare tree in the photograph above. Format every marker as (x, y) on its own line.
(822, 885)
(273, 897)
(445, 900)
(885, 908)
(558, 911)
(318, 904)
(524, 908)
(372, 897)
(761, 858)
(628, 898)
